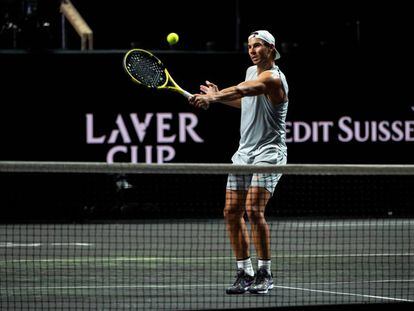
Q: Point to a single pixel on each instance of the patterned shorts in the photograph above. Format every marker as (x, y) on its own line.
(268, 181)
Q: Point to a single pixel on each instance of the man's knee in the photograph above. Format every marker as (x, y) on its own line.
(233, 212)
(255, 214)
(234, 208)
(256, 202)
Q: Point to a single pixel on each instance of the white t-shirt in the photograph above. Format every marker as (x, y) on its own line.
(262, 126)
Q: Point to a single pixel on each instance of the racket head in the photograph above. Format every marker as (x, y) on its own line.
(144, 68)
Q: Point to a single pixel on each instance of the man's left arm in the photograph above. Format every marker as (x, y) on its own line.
(262, 85)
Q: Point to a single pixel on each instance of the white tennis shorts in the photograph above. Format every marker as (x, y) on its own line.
(267, 181)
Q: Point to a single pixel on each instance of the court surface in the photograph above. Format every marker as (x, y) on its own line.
(187, 264)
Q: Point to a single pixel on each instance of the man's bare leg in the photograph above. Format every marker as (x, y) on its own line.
(240, 242)
(235, 224)
(256, 201)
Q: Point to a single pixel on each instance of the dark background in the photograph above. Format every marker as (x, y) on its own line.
(225, 24)
(340, 59)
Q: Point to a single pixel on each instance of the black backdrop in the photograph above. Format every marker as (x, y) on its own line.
(46, 97)
(350, 102)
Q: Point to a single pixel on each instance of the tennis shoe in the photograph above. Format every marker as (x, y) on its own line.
(242, 283)
(263, 282)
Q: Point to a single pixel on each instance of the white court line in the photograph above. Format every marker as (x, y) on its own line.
(345, 223)
(342, 293)
(346, 255)
(12, 244)
(187, 285)
(177, 286)
(183, 286)
(193, 259)
(72, 244)
(352, 282)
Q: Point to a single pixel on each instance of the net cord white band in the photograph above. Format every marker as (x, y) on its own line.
(203, 168)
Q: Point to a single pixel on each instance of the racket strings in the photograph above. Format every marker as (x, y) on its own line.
(146, 69)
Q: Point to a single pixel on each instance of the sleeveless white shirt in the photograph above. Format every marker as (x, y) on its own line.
(262, 126)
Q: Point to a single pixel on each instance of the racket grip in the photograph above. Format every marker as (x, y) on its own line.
(188, 95)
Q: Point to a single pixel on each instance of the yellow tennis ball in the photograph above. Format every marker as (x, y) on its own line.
(172, 38)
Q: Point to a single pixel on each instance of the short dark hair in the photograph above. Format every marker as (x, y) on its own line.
(270, 46)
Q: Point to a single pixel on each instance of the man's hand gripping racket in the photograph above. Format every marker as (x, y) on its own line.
(146, 69)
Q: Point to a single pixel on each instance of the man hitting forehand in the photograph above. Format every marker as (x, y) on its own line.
(263, 99)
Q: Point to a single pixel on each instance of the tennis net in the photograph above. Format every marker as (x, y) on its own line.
(141, 236)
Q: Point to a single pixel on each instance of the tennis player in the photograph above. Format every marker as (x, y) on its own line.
(263, 99)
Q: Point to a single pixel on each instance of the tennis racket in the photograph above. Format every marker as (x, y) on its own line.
(146, 69)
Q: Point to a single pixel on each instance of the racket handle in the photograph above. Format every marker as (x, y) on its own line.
(188, 95)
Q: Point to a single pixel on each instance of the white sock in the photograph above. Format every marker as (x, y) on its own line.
(265, 264)
(246, 265)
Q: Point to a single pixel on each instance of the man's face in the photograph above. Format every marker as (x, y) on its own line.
(258, 51)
